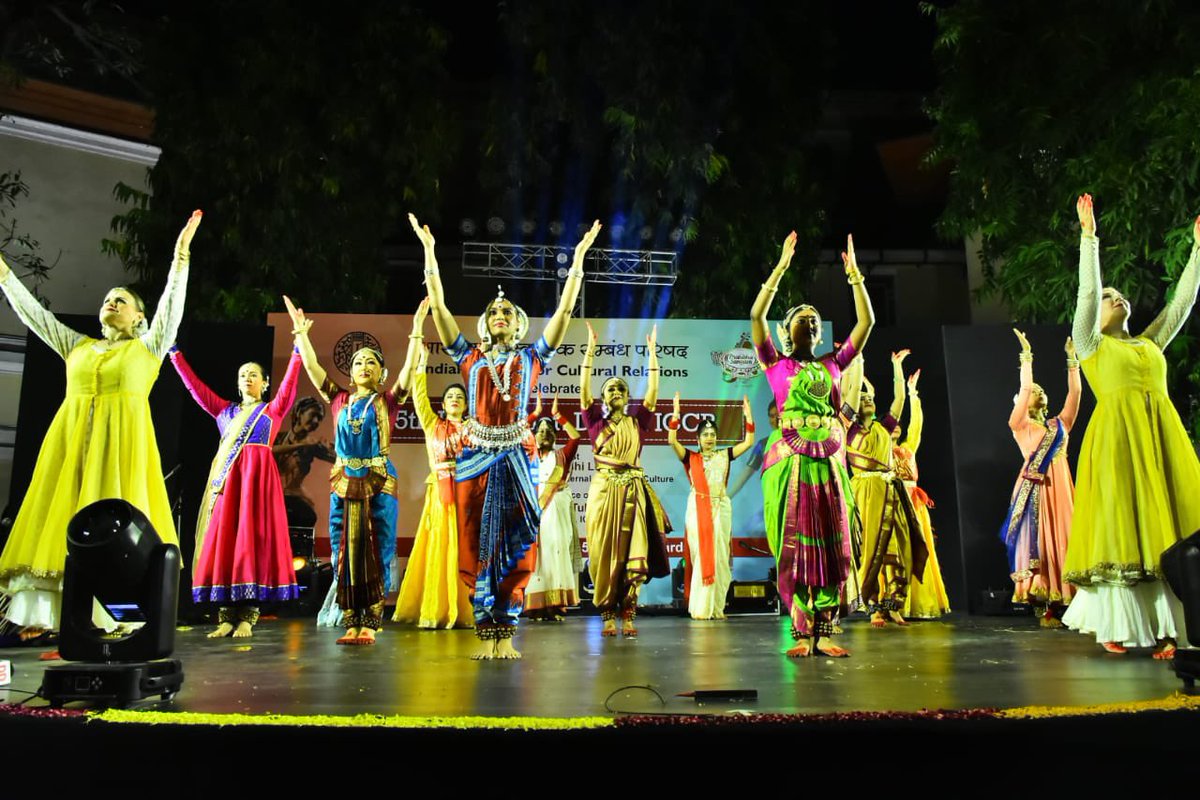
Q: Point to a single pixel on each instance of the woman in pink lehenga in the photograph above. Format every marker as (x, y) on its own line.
(1038, 523)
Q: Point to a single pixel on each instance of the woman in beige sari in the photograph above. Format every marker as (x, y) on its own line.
(626, 525)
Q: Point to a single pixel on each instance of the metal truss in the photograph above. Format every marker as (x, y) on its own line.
(550, 263)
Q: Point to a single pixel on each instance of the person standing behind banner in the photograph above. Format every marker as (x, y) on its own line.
(554, 585)
(362, 501)
(709, 526)
(431, 595)
(927, 598)
(626, 524)
(496, 490)
(808, 527)
(101, 443)
(1037, 526)
(243, 551)
(1138, 472)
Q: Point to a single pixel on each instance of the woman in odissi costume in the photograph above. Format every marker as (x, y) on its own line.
(804, 480)
(625, 523)
(243, 551)
(101, 443)
(709, 527)
(1037, 526)
(496, 478)
(1138, 472)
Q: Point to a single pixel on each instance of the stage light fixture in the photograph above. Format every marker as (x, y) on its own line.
(495, 226)
(299, 563)
(647, 233)
(557, 228)
(467, 227)
(1181, 568)
(528, 227)
(115, 557)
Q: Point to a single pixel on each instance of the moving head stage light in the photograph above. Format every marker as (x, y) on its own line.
(114, 556)
(1181, 568)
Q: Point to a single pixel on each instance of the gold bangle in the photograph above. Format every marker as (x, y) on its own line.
(855, 279)
(416, 336)
(771, 289)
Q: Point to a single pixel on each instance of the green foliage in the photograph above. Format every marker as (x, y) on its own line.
(303, 156)
(706, 139)
(19, 249)
(1041, 102)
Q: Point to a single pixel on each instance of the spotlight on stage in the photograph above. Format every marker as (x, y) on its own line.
(114, 556)
(1181, 567)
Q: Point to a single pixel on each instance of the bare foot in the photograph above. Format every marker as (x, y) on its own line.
(802, 649)
(1114, 647)
(610, 628)
(828, 648)
(878, 620)
(1165, 651)
(350, 637)
(366, 636)
(505, 650)
(28, 634)
(897, 618)
(1051, 622)
(223, 630)
(244, 630)
(628, 630)
(485, 650)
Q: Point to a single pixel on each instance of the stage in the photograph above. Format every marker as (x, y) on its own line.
(292, 667)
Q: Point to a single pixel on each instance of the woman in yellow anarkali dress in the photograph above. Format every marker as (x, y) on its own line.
(1136, 493)
(431, 595)
(101, 443)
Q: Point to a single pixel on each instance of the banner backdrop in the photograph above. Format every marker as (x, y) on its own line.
(711, 363)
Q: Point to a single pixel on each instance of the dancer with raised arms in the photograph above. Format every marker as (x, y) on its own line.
(101, 443)
(626, 524)
(243, 551)
(1037, 526)
(709, 524)
(804, 481)
(1138, 472)
(496, 474)
(362, 500)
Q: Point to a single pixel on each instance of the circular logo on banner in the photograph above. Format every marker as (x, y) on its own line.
(739, 363)
(350, 344)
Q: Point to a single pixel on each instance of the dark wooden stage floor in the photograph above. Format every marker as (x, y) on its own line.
(291, 667)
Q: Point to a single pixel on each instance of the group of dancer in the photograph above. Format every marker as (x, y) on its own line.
(845, 520)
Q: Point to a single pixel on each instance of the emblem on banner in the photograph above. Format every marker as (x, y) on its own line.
(350, 344)
(739, 363)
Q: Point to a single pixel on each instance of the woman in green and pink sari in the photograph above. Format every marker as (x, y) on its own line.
(805, 486)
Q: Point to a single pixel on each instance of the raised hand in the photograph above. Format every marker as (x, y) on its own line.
(1196, 231)
(788, 251)
(1087, 214)
(593, 339)
(675, 406)
(898, 358)
(652, 340)
(420, 314)
(746, 409)
(422, 231)
(912, 382)
(553, 404)
(183, 244)
(849, 262)
(300, 323)
(1069, 347)
(586, 242)
(1024, 342)
(537, 407)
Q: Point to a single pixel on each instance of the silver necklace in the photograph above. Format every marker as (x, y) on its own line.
(505, 385)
